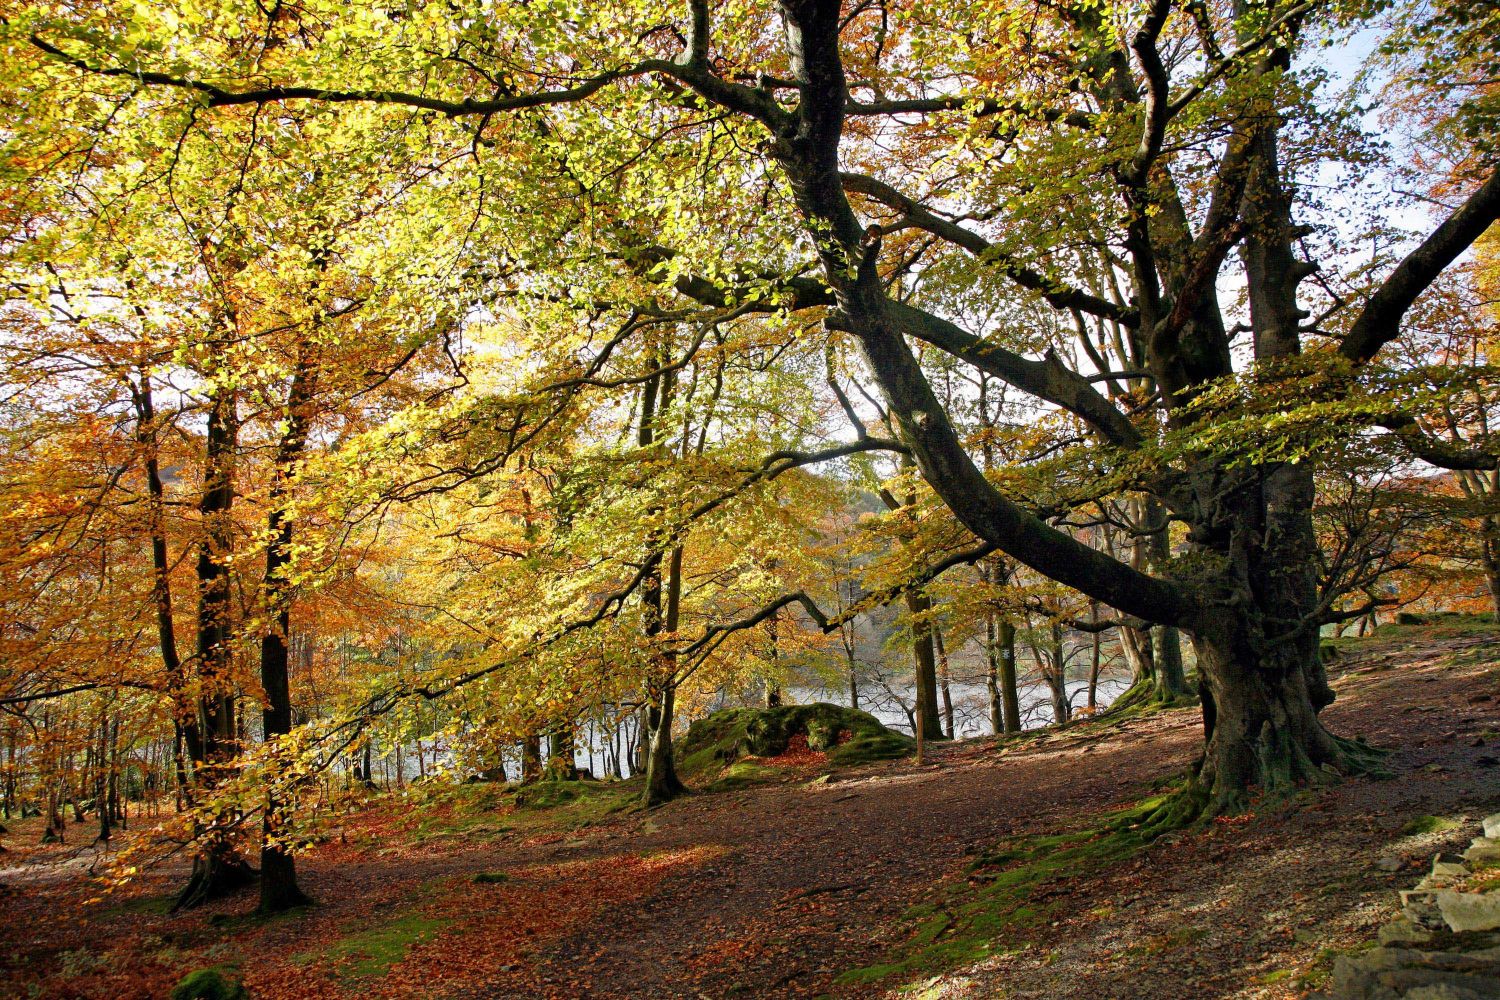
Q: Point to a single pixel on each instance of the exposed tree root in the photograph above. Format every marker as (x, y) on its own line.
(216, 874)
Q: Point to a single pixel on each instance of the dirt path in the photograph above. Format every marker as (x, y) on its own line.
(774, 891)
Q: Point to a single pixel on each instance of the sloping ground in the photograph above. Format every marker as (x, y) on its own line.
(790, 889)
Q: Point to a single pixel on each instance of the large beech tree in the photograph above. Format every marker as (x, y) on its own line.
(881, 167)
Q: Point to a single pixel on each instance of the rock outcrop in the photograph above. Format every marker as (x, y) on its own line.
(1446, 943)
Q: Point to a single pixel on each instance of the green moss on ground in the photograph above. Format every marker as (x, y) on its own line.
(209, 984)
(1458, 618)
(491, 878)
(1428, 824)
(479, 811)
(869, 747)
(741, 774)
(144, 904)
(986, 913)
(550, 794)
(725, 737)
(1141, 698)
(371, 952)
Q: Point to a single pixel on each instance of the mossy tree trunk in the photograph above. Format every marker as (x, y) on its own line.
(562, 763)
(1260, 716)
(1010, 694)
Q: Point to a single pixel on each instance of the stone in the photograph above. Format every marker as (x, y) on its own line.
(1442, 991)
(1492, 826)
(1390, 864)
(1403, 931)
(1402, 973)
(1469, 911)
(1420, 907)
(1444, 868)
(1482, 849)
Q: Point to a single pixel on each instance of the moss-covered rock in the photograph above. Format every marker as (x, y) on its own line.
(209, 984)
(547, 794)
(848, 735)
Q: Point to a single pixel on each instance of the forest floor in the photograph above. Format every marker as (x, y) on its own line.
(888, 880)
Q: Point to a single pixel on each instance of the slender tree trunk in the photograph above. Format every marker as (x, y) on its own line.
(662, 783)
(1171, 678)
(773, 683)
(1010, 689)
(1490, 559)
(101, 780)
(992, 674)
(924, 653)
(947, 691)
(1057, 677)
(8, 803)
(1093, 695)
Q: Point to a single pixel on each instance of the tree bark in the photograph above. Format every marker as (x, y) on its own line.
(531, 758)
(943, 681)
(662, 783)
(992, 674)
(1261, 727)
(562, 763)
(278, 869)
(1009, 686)
(924, 654)
(217, 867)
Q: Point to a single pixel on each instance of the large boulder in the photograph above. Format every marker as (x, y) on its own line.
(847, 735)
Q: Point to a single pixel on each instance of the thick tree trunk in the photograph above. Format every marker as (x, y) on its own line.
(662, 783)
(1171, 678)
(278, 887)
(531, 758)
(1260, 717)
(211, 738)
